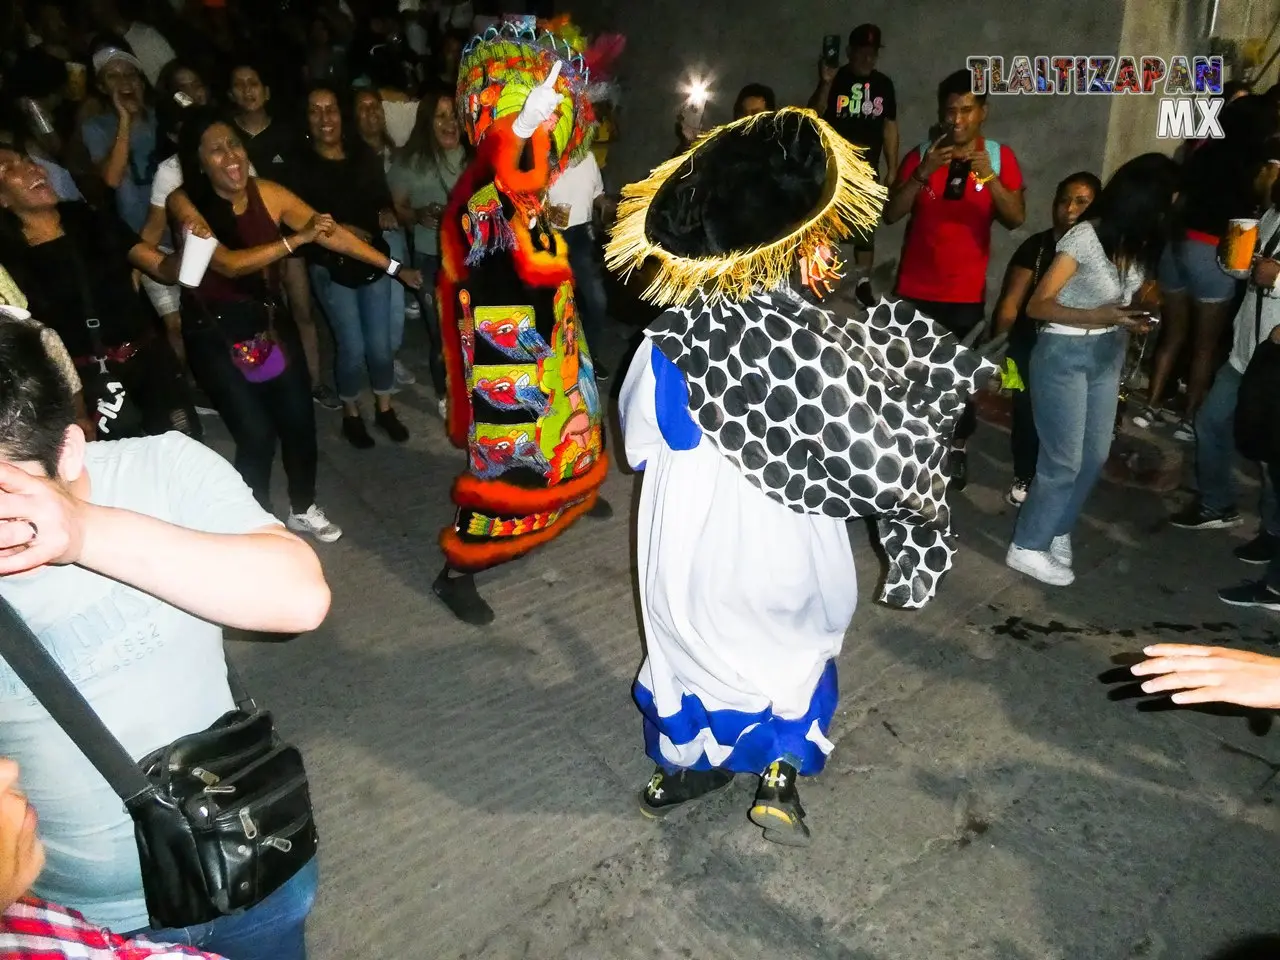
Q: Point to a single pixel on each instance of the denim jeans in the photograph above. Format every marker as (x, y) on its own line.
(1216, 451)
(399, 250)
(588, 283)
(361, 322)
(257, 414)
(272, 930)
(1074, 395)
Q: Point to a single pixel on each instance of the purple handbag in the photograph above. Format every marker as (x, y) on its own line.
(259, 359)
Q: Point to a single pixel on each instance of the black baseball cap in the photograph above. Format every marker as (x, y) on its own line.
(865, 35)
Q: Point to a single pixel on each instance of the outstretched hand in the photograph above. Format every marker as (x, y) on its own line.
(1211, 675)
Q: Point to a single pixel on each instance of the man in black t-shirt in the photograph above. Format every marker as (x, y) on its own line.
(859, 101)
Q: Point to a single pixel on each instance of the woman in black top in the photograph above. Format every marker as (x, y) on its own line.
(273, 147)
(343, 176)
(1029, 264)
(76, 267)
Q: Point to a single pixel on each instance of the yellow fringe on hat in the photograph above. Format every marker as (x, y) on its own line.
(851, 201)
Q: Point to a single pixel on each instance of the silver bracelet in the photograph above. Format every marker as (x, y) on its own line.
(287, 246)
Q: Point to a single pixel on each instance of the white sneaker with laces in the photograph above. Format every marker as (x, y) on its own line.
(442, 407)
(315, 524)
(1185, 432)
(411, 309)
(1040, 565)
(1060, 549)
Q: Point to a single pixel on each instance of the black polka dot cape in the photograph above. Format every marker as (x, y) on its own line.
(840, 419)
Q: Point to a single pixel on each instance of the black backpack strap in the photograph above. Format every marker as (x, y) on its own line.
(34, 665)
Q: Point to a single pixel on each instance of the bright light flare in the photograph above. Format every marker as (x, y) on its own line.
(697, 91)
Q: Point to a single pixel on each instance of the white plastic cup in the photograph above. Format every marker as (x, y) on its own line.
(196, 254)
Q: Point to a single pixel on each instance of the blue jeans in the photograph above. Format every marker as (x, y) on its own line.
(1216, 451)
(1074, 395)
(588, 283)
(272, 930)
(361, 322)
(398, 250)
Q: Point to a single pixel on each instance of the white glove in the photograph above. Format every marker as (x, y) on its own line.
(539, 106)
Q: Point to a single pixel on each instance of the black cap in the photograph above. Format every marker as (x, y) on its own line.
(865, 35)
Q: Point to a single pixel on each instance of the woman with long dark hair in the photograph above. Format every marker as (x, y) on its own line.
(250, 365)
(342, 175)
(1085, 302)
(75, 265)
(422, 175)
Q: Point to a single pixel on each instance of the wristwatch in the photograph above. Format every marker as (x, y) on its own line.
(393, 268)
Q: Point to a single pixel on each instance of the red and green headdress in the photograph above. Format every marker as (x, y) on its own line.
(502, 65)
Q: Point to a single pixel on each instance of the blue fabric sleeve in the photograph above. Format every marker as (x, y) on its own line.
(671, 402)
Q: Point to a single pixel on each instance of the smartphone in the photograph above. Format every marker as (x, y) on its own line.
(831, 49)
(957, 176)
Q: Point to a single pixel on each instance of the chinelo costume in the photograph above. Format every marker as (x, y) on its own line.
(763, 423)
(522, 399)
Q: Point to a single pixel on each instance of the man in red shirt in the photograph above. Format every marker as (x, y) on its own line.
(954, 188)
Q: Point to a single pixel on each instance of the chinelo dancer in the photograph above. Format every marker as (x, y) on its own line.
(763, 423)
(521, 398)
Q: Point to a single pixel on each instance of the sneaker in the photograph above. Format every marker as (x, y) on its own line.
(442, 408)
(958, 469)
(601, 373)
(389, 423)
(1256, 594)
(314, 523)
(777, 806)
(356, 432)
(326, 398)
(1260, 550)
(1199, 517)
(460, 595)
(602, 509)
(404, 376)
(1040, 565)
(666, 791)
(1060, 549)
(1146, 417)
(1185, 431)
(864, 295)
(411, 309)
(1017, 494)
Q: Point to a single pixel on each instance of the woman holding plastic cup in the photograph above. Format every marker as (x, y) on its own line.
(251, 366)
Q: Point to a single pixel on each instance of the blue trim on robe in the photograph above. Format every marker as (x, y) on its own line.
(772, 739)
(671, 401)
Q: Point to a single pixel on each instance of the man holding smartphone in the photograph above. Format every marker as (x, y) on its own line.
(860, 103)
(954, 189)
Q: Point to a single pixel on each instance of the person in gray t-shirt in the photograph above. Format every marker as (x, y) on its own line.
(124, 558)
(1085, 302)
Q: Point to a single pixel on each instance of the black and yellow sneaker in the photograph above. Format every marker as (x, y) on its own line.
(777, 806)
(666, 791)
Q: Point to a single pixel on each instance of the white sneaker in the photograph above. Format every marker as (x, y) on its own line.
(404, 376)
(1040, 565)
(411, 309)
(443, 408)
(315, 524)
(1060, 549)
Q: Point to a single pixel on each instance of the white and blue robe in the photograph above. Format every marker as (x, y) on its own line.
(747, 579)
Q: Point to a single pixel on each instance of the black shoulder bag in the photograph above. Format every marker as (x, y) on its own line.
(222, 817)
(1257, 419)
(114, 413)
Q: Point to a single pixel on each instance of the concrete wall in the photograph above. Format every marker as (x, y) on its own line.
(778, 42)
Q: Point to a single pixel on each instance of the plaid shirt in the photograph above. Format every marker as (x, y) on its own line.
(32, 929)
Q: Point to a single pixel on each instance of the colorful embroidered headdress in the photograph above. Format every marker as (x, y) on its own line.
(809, 186)
(502, 65)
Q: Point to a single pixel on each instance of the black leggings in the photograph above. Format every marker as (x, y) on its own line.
(1023, 439)
(259, 413)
